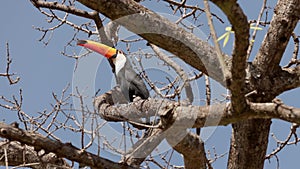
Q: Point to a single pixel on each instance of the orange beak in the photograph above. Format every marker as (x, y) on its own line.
(104, 50)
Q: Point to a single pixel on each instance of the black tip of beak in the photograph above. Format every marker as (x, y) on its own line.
(81, 42)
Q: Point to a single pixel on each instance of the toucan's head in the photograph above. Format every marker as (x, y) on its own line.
(117, 57)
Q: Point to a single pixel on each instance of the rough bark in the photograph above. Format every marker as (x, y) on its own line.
(66, 150)
(191, 147)
(240, 27)
(25, 156)
(171, 113)
(283, 23)
(249, 143)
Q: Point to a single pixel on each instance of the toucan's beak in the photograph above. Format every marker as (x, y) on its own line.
(104, 50)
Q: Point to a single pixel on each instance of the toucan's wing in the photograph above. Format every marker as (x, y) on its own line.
(137, 86)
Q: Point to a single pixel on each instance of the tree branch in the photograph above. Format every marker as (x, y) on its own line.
(284, 21)
(65, 8)
(199, 114)
(263, 7)
(20, 155)
(183, 5)
(191, 147)
(8, 62)
(226, 73)
(240, 27)
(66, 150)
(282, 144)
(143, 148)
(294, 59)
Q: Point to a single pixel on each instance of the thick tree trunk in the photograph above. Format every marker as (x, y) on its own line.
(249, 143)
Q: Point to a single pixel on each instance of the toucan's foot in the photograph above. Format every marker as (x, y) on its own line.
(135, 99)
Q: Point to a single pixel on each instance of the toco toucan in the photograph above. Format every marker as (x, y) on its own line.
(130, 82)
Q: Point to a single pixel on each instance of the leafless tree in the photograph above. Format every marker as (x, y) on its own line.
(253, 84)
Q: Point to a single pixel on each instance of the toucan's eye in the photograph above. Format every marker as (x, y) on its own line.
(120, 52)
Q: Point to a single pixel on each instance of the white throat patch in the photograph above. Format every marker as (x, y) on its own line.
(119, 62)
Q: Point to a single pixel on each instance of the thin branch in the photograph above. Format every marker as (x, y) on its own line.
(215, 156)
(285, 142)
(262, 23)
(8, 62)
(263, 7)
(57, 6)
(208, 98)
(225, 71)
(178, 70)
(63, 21)
(186, 15)
(294, 59)
(157, 90)
(190, 7)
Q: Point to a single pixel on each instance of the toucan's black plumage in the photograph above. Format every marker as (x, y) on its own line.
(130, 82)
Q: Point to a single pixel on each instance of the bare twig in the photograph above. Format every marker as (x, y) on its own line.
(208, 98)
(8, 62)
(186, 15)
(263, 7)
(131, 40)
(285, 142)
(225, 71)
(294, 59)
(178, 70)
(157, 90)
(262, 23)
(182, 4)
(61, 21)
(65, 8)
(216, 156)
(207, 90)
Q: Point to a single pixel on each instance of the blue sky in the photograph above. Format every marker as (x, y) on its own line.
(44, 70)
